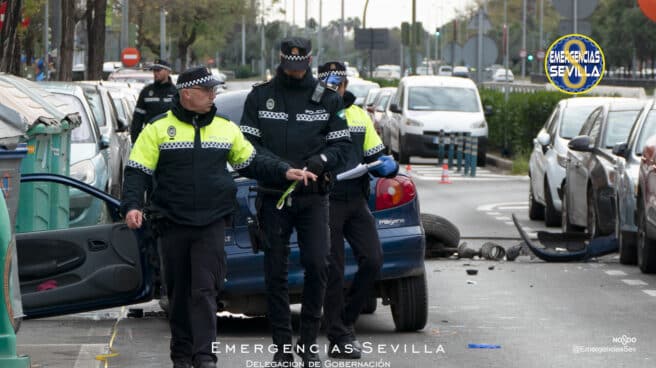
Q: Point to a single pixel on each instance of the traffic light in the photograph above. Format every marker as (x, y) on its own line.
(437, 32)
(529, 57)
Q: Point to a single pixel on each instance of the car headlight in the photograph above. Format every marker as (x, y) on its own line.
(562, 160)
(479, 125)
(84, 171)
(414, 123)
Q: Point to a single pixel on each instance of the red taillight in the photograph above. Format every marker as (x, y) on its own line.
(394, 192)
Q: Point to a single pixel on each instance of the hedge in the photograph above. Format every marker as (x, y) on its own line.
(513, 126)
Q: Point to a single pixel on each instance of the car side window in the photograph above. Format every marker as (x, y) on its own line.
(585, 129)
(596, 127)
(551, 124)
(400, 100)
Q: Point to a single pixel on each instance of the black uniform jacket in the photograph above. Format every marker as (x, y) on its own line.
(154, 99)
(281, 120)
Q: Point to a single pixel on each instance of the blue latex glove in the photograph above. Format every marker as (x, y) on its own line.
(388, 169)
(333, 79)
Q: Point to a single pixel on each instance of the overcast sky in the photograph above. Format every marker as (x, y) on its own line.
(380, 13)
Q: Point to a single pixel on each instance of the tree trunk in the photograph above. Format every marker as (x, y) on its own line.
(65, 71)
(96, 11)
(183, 46)
(10, 51)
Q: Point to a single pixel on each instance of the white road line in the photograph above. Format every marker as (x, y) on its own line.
(494, 213)
(503, 218)
(634, 282)
(87, 356)
(512, 208)
(650, 292)
(510, 223)
(615, 273)
(528, 229)
(491, 206)
(532, 235)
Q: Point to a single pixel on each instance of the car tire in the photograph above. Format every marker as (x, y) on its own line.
(627, 245)
(442, 236)
(551, 215)
(646, 246)
(370, 306)
(592, 224)
(410, 303)
(535, 209)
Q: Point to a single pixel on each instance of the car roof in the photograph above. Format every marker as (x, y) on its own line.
(586, 101)
(438, 80)
(360, 81)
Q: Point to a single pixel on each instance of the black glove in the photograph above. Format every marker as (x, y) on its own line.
(315, 164)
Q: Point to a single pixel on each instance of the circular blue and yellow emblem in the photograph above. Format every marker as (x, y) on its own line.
(574, 64)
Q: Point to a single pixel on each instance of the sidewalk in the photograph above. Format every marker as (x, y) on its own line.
(498, 161)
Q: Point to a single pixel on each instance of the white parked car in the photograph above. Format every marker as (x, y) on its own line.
(425, 105)
(503, 75)
(445, 70)
(549, 156)
(360, 88)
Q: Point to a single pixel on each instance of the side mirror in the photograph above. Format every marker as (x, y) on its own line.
(488, 110)
(104, 142)
(620, 149)
(395, 109)
(122, 125)
(581, 143)
(544, 139)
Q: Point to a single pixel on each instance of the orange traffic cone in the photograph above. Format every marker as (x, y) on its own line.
(445, 175)
(408, 167)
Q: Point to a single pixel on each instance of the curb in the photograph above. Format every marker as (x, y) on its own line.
(498, 161)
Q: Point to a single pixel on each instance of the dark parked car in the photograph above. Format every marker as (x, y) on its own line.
(588, 193)
(646, 213)
(72, 270)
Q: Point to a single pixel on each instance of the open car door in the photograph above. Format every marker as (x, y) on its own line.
(66, 269)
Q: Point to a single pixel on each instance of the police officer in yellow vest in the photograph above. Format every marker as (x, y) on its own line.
(183, 154)
(350, 218)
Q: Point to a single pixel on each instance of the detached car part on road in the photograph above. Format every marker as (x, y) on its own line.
(79, 269)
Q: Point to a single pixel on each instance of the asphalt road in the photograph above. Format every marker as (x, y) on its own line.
(592, 314)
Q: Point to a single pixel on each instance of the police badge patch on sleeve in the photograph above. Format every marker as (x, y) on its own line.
(270, 104)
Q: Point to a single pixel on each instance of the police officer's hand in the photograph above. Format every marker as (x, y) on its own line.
(316, 163)
(298, 174)
(134, 219)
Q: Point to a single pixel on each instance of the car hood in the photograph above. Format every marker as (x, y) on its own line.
(82, 151)
(446, 120)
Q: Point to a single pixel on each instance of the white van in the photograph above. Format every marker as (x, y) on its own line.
(425, 105)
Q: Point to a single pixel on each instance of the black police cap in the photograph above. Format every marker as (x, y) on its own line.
(332, 68)
(295, 53)
(160, 64)
(196, 76)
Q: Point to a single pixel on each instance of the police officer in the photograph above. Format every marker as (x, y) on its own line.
(154, 99)
(183, 153)
(350, 218)
(295, 118)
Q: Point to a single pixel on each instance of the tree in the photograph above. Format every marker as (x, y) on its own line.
(70, 16)
(10, 52)
(95, 20)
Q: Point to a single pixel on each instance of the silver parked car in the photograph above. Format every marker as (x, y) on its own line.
(548, 159)
(626, 184)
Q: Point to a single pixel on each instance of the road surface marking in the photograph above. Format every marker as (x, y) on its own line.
(650, 292)
(634, 282)
(615, 273)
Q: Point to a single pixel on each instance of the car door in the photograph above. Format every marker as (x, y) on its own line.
(579, 167)
(74, 269)
(538, 159)
(396, 119)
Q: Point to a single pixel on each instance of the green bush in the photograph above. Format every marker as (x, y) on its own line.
(244, 71)
(385, 82)
(513, 126)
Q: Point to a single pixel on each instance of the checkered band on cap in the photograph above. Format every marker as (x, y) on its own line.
(195, 82)
(296, 57)
(341, 73)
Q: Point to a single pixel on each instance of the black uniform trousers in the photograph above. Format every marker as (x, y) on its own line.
(195, 267)
(351, 220)
(309, 215)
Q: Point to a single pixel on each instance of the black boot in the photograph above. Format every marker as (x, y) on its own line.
(309, 354)
(280, 358)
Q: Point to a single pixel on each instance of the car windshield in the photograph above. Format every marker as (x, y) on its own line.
(83, 133)
(618, 127)
(231, 105)
(428, 98)
(648, 129)
(382, 102)
(360, 90)
(573, 119)
(93, 98)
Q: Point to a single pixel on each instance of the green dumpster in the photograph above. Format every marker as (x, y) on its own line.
(44, 206)
(12, 130)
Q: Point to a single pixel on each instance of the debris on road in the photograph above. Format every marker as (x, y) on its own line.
(472, 271)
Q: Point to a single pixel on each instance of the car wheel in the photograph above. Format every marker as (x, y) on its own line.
(592, 227)
(442, 236)
(370, 305)
(646, 246)
(535, 209)
(551, 215)
(565, 225)
(410, 303)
